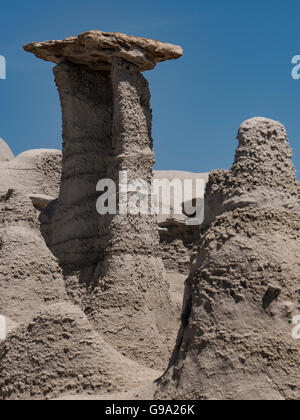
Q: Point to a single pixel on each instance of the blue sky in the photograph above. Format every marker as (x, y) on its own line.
(236, 65)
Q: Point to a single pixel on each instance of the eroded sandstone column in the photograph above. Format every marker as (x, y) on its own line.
(111, 264)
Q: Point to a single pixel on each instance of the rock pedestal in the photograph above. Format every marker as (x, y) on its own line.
(111, 264)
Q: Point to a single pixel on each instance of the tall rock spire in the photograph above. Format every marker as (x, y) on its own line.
(111, 262)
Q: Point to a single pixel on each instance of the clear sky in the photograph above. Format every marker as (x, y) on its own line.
(236, 65)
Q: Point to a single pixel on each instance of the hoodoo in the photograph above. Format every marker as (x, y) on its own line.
(111, 263)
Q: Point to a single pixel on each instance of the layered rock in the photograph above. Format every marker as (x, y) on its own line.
(111, 262)
(236, 339)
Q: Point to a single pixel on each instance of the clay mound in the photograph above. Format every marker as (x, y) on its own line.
(5, 153)
(29, 274)
(236, 339)
(58, 353)
(32, 172)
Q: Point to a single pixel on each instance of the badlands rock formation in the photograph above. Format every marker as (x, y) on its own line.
(96, 315)
(236, 339)
(111, 263)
